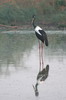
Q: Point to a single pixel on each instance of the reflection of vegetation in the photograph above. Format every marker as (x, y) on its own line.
(13, 47)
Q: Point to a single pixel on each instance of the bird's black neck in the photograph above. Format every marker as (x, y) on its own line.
(34, 23)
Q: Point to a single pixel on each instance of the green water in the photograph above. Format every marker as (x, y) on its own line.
(13, 47)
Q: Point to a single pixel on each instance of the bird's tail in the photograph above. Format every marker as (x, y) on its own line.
(46, 41)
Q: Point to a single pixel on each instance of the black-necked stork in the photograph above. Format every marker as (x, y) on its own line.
(42, 36)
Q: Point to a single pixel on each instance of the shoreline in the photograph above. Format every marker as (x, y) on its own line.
(29, 28)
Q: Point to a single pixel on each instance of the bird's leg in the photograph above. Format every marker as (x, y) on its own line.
(42, 55)
(39, 57)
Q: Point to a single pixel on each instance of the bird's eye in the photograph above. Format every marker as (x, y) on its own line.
(33, 16)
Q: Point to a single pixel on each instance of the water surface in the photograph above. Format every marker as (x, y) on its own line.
(19, 65)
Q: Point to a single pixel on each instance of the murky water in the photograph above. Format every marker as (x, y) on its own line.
(19, 65)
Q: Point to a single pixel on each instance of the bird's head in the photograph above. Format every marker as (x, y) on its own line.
(33, 18)
(36, 93)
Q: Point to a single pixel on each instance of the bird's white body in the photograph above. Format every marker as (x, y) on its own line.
(37, 30)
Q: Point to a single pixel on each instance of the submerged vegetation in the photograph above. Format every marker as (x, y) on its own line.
(20, 13)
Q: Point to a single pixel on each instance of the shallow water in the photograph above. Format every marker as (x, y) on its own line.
(19, 65)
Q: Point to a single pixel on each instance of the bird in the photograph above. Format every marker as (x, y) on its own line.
(42, 37)
(40, 33)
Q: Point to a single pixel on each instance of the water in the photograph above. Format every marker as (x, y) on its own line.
(19, 65)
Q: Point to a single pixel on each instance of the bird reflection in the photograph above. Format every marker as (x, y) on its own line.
(42, 76)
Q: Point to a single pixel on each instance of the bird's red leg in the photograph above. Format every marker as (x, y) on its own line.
(39, 57)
